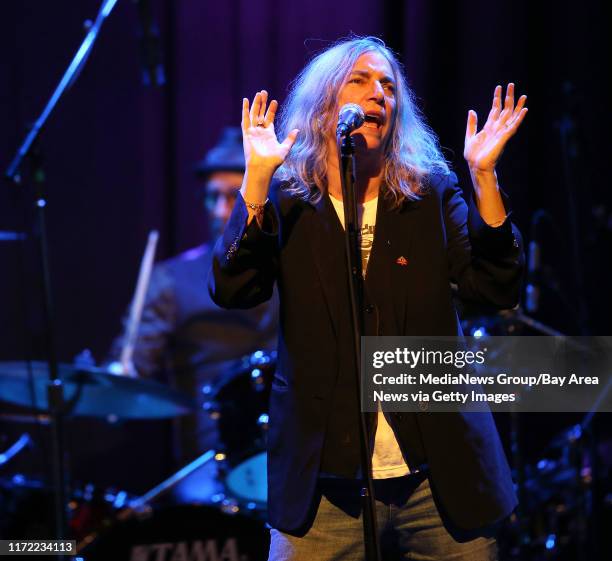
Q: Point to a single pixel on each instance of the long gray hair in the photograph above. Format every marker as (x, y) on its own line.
(411, 153)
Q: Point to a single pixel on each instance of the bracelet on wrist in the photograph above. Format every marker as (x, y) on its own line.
(257, 207)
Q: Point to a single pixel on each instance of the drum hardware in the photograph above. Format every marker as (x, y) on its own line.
(257, 379)
(263, 420)
(240, 409)
(169, 483)
(87, 391)
(20, 481)
(240, 459)
(29, 152)
(140, 507)
(14, 449)
(8, 236)
(556, 493)
(259, 358)
(26, 507)
(91, 509)
(92, 391)
(560, 497)
(40, 419)
(211, 408)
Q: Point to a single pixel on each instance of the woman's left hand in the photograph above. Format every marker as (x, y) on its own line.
(483, 149)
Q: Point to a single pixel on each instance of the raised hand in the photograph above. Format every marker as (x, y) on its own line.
(483, 149)
(261, 147)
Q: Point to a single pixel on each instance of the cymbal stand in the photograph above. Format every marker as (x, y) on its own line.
(29, 150)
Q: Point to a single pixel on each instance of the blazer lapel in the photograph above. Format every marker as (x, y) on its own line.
(389, 266)
(329, 256)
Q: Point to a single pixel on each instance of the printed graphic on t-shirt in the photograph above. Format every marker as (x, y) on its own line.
(367, 240)
(367, 220)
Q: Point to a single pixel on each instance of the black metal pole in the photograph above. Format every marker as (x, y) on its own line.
(589, 430)
(69, 77)
(346, 149)
(55, 392)
(566, 127)
(519, 474)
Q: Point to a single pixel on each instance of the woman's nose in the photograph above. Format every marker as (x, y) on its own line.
(377, 91)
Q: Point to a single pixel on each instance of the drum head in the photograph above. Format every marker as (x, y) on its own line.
(184, 532)
(248, 481)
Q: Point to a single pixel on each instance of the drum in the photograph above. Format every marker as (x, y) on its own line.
(240, 408)
(181, 532)
(27, 508)
(558, 502)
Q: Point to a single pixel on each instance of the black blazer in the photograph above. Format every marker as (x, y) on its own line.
(301, 247)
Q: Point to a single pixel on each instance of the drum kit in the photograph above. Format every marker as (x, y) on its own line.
(226, 521)
(557, 489)
(565, 492)
(108, 523)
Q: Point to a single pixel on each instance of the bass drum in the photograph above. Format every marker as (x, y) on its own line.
(187, 532)
(240, 408)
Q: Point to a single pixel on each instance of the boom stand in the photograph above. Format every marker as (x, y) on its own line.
(55, 391)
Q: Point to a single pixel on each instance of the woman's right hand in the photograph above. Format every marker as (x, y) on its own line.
(263, 153)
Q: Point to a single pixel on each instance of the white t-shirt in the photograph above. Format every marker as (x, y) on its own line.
(387, 458)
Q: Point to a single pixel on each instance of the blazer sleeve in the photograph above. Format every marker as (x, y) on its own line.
(485, 262)
(245, 259)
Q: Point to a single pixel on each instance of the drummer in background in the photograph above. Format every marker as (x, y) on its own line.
(183, 336)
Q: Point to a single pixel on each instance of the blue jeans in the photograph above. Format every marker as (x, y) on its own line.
(409, 526)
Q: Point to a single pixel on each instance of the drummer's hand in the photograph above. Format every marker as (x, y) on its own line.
(262, 150)
(118, 369)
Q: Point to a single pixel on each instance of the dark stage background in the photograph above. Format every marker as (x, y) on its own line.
(119, 157)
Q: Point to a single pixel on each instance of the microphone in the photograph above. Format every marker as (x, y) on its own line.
(351, 117)
(150, 48)
(532, 290)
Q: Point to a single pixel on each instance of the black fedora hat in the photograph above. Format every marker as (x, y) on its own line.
(226, 155)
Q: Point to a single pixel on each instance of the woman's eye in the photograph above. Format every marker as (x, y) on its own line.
(355, 81)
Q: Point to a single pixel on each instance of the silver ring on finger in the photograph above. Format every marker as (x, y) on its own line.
(261, 122)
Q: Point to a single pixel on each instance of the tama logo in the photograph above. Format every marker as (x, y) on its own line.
(197, 550)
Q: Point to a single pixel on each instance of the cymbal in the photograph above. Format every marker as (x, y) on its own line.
(92, 392)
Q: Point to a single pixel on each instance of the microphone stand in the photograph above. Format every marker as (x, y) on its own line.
(346, 150)
(28, 149)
